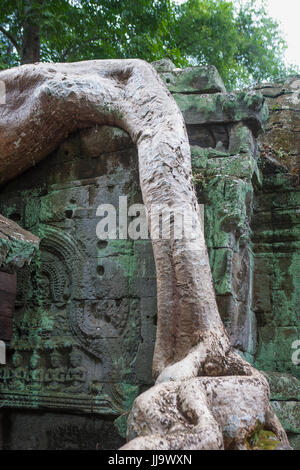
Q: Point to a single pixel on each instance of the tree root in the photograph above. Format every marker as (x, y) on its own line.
(203, 413)
(206, 396)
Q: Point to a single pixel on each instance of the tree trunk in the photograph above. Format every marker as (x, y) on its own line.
(202, 383)
(31, 42)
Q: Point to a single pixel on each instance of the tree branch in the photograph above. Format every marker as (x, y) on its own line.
(11, 38)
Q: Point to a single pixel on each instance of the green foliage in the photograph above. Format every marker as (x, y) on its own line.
(240, 40)
(110, 29)
(90, 29)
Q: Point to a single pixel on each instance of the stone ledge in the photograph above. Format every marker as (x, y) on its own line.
(17, 246)
(283, 387)
(193, 80)
(288, 413)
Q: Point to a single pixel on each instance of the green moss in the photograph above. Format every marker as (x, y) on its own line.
(262, 439)
(129, 393)
(229, 107)
(16, 252)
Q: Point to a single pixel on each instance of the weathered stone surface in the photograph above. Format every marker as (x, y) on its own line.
(211, 137)
(283, 387)
(241, 140)
(101, 390)
(223, 108)
(281, 140)
(224, 186)
(276, 236)
(17, 246)
(289, 414)
(107, 139)
(44, 430)
(85, 322)
(8, 288)
(163, 65)
(294, 440)
(193, 80)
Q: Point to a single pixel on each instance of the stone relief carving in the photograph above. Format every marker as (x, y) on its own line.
(77, 327)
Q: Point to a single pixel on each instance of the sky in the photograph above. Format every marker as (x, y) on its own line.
(287, 13)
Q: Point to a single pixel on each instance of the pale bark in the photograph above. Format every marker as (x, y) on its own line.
(45, 102)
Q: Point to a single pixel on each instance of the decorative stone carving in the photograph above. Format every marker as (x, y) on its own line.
(78, 333)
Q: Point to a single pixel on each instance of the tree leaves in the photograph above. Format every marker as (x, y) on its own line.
(240, 40)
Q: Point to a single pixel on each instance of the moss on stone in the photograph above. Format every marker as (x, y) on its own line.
(262, 439)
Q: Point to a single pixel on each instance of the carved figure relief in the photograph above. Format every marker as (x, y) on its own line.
(76, 330)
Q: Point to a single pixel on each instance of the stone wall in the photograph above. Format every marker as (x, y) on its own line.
(84, 327)
(276, 245)
(17, 247)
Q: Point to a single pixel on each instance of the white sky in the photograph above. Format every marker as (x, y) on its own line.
(287, 13)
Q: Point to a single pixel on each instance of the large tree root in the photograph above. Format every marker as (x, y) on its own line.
(203, 413)
(44, 103)
(211, 413)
